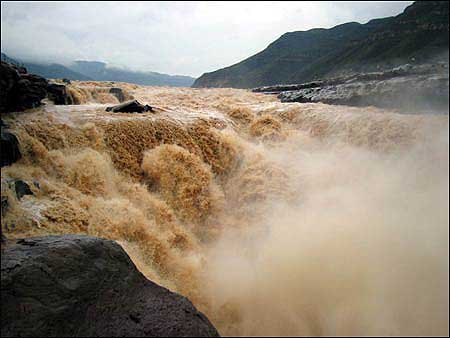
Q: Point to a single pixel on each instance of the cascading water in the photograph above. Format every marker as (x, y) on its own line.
(274, 219)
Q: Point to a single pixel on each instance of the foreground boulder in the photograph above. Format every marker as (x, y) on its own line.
(130, 107)
(409, 88)
(20, 90)
(73, 285)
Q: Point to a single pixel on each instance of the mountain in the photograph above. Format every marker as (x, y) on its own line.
(419, 34)
(55, 71)
(102, 72)
(6, 58)
(49, 71)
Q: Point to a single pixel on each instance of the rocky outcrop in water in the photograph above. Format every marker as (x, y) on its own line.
(80, 286)
(10, 152)
(22, 188)
(58, 94)
(118, 93)
(8, 79)
(130, 107)
(411, 88)
(20, 90)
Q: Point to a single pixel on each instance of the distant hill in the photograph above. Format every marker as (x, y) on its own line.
(55, 71)
(419, 34)
(51, 71)
(6, 58)
(99, 71)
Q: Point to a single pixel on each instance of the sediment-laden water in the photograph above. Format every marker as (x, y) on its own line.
(274, 219)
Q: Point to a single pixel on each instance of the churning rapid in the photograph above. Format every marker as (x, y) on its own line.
(273, 219)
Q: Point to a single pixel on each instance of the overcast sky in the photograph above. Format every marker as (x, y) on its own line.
(186, 38)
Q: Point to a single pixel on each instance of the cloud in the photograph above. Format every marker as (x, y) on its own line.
(187, 38)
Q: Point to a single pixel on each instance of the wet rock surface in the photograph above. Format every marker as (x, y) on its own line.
(58, 94)
(130, 107)
(10, 152)
(407, 87)
(8, 79)
(20, 90)
(22, 188)
(118, 93)
(5, 206)
(74, 285)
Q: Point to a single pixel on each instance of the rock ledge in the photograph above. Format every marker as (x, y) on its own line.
(73, 285)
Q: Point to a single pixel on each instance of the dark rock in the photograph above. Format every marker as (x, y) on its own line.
(130, 107)
(283, 88)
(19, 90)
(58, 94)
(5, 204)
(36, 184)
(4, 210)
(21, 70)
(8, 79)
(66, 81)
(22, 189)
(408, 88)
(118, 93)
(80, 286)
(29, 91)
(9, 148)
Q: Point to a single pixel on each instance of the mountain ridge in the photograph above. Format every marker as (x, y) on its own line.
(100, 71)
(416, 35)
(49, 71)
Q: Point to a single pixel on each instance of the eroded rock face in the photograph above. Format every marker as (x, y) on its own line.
(20, 90)
(22, 188)
(8, 79)
(74, 285)
(118, 93)
(408, 88)
(58, 94)
(10, 152)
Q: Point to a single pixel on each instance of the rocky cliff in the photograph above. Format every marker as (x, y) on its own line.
(420, 34)
(20, 90)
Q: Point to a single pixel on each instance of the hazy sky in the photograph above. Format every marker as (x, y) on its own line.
(186, 38)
